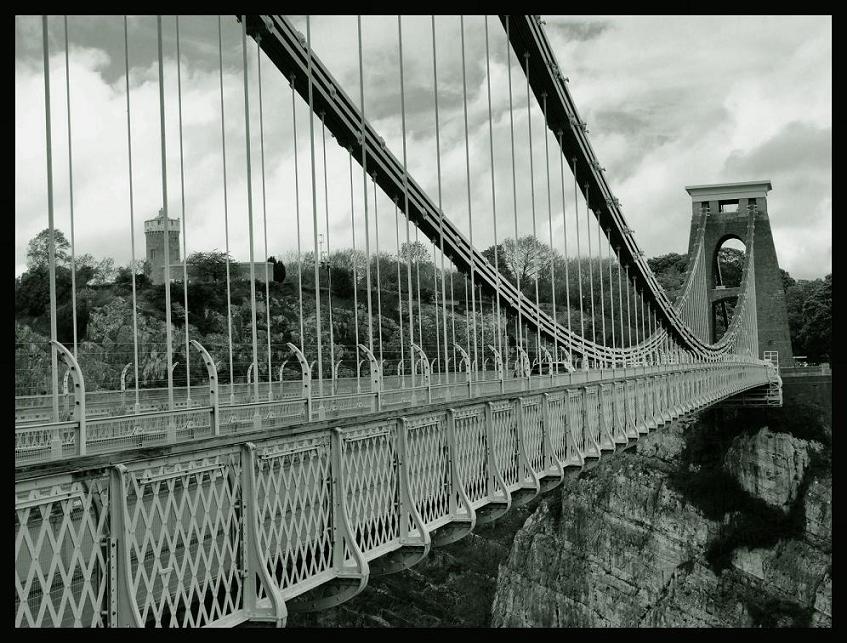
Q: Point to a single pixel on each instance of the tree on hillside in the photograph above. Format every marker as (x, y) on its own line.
(38, 249)
(210, 266)
(415, 251)
(279, 269)
(526, 258)
(809, 305)
(731, 264)
(669, 270)
(500, 262)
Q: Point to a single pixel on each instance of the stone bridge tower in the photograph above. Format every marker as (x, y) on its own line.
(727, 205)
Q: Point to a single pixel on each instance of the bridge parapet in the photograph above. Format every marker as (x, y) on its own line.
(236, 527)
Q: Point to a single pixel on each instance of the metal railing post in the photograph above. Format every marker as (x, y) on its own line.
(252, 560)
(214, 393)
(79, 394)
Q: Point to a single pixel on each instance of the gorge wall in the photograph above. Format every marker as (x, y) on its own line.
(722, 521)
(719, 520)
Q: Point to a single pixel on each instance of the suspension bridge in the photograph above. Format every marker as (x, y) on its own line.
(243, 496)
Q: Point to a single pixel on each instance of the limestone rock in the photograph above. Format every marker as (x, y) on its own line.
(768, 465)
(622, 547)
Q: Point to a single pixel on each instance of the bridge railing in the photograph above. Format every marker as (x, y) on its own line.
(49, 441)
(236, 527)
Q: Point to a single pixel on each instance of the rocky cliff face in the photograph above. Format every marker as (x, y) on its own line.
(713, 522)
(699, 524)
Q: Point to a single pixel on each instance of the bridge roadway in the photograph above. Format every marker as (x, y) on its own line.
(248, 525)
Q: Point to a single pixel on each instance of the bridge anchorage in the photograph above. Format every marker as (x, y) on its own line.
(490, 374)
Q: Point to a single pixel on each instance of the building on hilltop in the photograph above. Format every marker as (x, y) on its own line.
(154, 234)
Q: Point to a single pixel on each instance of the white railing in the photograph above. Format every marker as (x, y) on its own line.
(216, 532)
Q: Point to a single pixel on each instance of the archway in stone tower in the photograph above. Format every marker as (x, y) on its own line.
(727, 266)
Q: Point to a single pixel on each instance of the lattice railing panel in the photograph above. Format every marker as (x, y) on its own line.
(293, 486)
(471, 450)
(619, 397)
(370, 468)
(345, 405)
(533, 433)
(556, 410)
(506, 451)
(575, 419)
(262, 415)
(134, 431)
(62, 553)
(183, 538)
(428, 466)
(592, 413)
(630, 401)
(38, 443)
(607, 408)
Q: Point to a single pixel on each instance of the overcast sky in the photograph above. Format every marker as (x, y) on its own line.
(669, 101)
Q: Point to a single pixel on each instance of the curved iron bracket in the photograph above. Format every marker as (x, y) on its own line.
(498, 362)
(212, 372)
(549, 359)
(424, 361)
(523, 360)
(465, 359)
(376, 373)
(78, 414)
(307, 377)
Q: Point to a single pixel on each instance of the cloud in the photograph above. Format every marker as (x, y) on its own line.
(670, 101)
